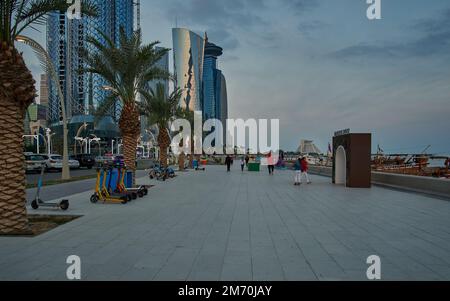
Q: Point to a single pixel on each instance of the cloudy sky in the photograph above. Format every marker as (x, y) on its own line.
(321, 65)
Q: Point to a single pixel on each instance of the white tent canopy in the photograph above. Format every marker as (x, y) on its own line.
(308, 147)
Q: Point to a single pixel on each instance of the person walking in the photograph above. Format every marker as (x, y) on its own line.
(270, 163)
(298, 172)
(242, 164)
(305, 168)
(228, 163)
(247, 160)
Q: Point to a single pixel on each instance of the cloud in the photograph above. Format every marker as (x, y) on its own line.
(223, 38)
(434, 39)
(221, 19)
(307, 28)
(301, 6)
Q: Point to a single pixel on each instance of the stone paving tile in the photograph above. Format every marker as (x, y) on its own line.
(215, 225)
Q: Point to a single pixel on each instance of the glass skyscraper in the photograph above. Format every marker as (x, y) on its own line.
(188, 54)
(214, 98)
(82, 92)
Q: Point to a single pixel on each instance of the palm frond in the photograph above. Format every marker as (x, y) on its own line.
(18, 15)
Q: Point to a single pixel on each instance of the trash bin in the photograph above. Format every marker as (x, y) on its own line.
(254, 167)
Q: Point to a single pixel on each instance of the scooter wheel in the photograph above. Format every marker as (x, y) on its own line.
(64, 205)
(124, 200)
(140, 194)
(134, 196)
(35, 205)
(94, 199)
(145, 191)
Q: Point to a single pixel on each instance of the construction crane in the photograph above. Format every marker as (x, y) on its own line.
(137, 3)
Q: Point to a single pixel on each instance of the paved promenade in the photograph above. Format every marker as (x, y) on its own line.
(217, 226)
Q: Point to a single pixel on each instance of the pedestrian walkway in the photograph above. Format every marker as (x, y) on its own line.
(215, 225)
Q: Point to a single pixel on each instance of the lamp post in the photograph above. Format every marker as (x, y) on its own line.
(93, 140)
(49, 140)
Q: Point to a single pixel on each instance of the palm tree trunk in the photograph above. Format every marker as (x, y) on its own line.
(164, 143)
(16, 94)
(130, 126)
(181, 159)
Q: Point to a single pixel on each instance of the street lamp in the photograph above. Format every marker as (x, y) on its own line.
(49, 140)
(93, 140)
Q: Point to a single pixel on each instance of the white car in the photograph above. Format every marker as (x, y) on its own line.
(55, 162)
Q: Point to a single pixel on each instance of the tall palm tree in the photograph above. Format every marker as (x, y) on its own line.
(17, 92)
(188, 115)
(127, 68)
(161, 110)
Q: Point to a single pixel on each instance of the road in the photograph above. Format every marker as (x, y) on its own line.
(63, 190)
(51, 176)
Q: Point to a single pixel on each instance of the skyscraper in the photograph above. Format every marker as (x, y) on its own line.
(214, 98)
(65, 38)
(188, 54)
(43, 94)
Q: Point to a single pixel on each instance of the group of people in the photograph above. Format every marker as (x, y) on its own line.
(301, 168)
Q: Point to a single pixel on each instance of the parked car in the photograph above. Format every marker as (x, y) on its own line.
(55, 162)
(105, 160)
(85, 160)
(34, 162)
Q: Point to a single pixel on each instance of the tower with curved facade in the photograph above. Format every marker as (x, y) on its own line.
(188, 54)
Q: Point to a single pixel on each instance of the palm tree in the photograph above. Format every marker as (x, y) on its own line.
(17, 92)
(188, 115)
(161, 110)
(127, 68)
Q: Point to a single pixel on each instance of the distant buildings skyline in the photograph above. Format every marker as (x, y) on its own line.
(197, 74)
(65, 38)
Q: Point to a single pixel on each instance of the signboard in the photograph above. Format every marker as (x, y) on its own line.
(342, 133)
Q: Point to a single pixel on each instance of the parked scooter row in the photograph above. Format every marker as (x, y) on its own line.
(104, 191)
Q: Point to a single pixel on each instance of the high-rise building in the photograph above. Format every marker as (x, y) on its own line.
(188, 54)
(65, 37)
(43, 93)
(214, 98)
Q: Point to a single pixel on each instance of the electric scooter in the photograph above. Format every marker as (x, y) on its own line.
(101, 191)
(141, 191)
(37, 202)
(120, 185)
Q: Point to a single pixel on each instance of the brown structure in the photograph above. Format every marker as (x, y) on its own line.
(352, 160)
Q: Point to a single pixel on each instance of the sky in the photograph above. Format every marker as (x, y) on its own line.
(321, 65)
